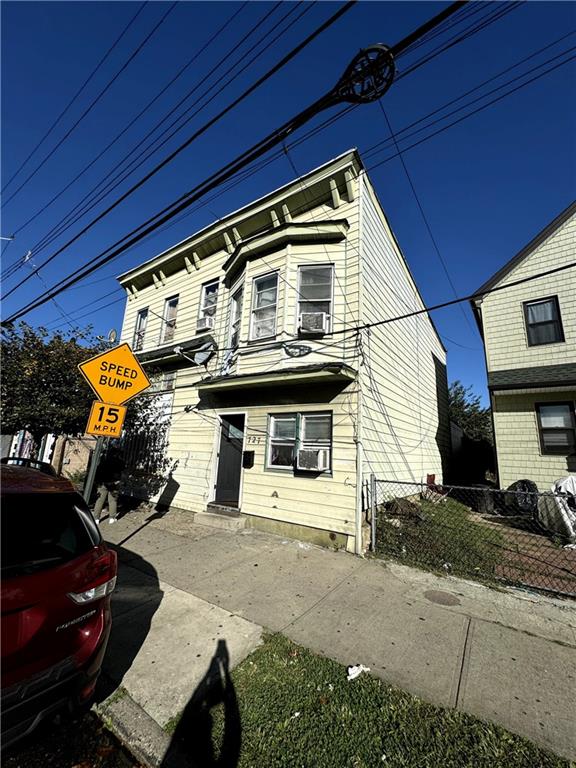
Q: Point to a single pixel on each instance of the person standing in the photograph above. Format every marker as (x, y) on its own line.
(108, 477)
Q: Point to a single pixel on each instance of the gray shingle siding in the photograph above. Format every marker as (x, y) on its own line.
(545, 375)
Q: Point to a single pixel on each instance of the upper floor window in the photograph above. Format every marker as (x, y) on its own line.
(264, 303)
(208, 301)
(169, 324)
(236, 316)
(140, 329)
(557, 427)
(315, 298)
(543, 323)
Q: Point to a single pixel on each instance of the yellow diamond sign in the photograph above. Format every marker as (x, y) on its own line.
(115, 375)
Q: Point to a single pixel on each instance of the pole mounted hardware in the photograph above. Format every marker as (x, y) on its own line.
(368, 76)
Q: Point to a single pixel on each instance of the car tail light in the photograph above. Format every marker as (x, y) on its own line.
(102, 584)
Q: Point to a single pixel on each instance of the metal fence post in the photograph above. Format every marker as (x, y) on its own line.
(373, 512)
(92, 469)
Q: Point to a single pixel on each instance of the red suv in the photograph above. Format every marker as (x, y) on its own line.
(57, 576)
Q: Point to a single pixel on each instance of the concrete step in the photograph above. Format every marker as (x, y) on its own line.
(224, 522)
(221, 509)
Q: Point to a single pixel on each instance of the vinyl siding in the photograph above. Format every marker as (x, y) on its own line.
(518, 441)
(405, 431)
(503, 315)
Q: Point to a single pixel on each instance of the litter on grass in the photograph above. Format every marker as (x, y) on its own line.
(355, 670)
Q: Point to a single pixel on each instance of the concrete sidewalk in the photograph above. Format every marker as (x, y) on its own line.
(509, 658)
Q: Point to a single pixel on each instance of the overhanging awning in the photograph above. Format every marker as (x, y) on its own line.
(322, 373)
(166, 355)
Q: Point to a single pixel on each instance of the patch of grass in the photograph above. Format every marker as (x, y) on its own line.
(362, 724)
(443, 538)
(170, 726)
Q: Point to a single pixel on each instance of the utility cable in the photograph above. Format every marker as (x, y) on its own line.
(94, 197)
(272, 71)
(76, 95)
(119, 135)
(422, 213)
(95, 101)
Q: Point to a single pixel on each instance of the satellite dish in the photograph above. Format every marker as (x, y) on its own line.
(204, 353)
(112, 335)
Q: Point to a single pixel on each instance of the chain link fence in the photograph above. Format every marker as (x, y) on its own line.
(520, 538)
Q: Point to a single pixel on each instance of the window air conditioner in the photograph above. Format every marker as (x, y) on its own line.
(313, 459)
(313, 322)
(205, 323)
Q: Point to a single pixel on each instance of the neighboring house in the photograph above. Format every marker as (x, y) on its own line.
(279, 406)
(529, 334)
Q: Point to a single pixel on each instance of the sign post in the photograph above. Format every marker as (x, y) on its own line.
(116, 377)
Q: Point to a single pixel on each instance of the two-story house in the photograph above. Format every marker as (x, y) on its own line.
(529, 333)
(281, 405)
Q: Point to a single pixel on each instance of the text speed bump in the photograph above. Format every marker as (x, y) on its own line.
(106, 420)
(116, 375)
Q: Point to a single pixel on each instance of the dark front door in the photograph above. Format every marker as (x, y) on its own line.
(230, 461)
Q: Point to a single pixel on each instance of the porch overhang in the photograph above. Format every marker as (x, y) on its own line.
(534, 377)
(325, 373)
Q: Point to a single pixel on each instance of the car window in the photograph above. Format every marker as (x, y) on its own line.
(43, 530)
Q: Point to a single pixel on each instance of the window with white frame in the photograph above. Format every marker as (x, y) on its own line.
(208, 300)
(300, 441)
(169, 319)
(140, 329)
(236, 316)
(264, 303)
(315, 292)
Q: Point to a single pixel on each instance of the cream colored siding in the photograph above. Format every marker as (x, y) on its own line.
(402, 366)
(502, 312)
(518, 442)
(403, 376)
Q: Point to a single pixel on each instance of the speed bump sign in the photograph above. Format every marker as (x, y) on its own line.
(115, 375)
(106, 420)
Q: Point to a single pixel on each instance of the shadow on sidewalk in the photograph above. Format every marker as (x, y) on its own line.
(193, 739)
(134, 603)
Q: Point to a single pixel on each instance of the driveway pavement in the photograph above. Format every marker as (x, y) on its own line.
(186, 590)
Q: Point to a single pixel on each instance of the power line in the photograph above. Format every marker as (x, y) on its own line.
(279, 65)
(76, 95)
(160, 93)
(102, 189)
(95, 101)
(422, 213)
(278, 154)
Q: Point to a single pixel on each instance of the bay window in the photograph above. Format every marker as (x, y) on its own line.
(236, 316)
(140, 329)
(208, 300)
(315, 290)
(264, 304)
(169, 319)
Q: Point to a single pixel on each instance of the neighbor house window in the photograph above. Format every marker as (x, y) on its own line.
(169, 323)
(315, 290)
(557, 427)
(208, 300)
(289, 433)
(140, 329)
(264, 302)
(543, 323)
(236, 316)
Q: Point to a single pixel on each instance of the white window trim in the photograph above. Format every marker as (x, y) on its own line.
(145, 313)
(299, 269)
(253, 307)
(202, 307)
(238, 286)
(298, 440)
(165, 321)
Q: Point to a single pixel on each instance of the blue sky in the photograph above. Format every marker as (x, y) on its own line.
(487, 185)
